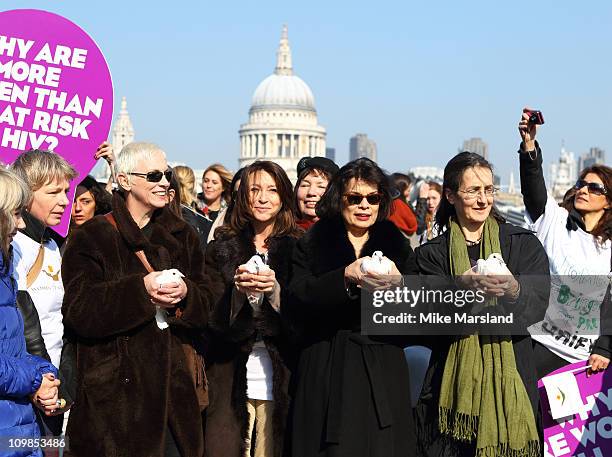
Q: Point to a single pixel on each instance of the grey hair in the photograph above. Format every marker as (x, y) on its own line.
(15, 195)
(132, 153)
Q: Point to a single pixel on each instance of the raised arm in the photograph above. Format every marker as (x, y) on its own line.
(533, 186)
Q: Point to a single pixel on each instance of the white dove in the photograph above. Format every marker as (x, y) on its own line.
(377, 264)
(494, 265)
(256, 265)
(166, 277)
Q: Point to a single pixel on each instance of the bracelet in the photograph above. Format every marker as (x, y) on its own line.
(350, 291)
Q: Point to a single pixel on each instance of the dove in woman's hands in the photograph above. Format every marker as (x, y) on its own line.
(377, 264)
(172, 276)
(255, 265)
(495, 277)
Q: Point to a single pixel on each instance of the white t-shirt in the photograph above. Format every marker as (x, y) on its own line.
(47, 291)
(579, 268)
(259, 373)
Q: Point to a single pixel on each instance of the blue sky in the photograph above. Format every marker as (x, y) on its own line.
(417, 77)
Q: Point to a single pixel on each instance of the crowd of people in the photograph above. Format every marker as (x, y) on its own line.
(228, 322)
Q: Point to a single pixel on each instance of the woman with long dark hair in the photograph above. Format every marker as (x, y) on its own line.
(90, 199)
(577, 237)
(352, 396)
(480, 391)
(248, 364)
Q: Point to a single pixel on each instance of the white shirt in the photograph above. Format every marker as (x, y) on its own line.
(579, 268)
(47, 291)
(259, 373)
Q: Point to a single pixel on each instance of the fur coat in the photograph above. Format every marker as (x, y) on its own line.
(132, 383)
(233, 332)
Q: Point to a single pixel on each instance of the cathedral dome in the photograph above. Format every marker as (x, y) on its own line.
(283, 89)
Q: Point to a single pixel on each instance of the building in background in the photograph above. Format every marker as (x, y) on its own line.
(361, 146)
(283, 125)
(427, 174)
(563, 174)
(595, 156)
(122, 133)
(476, 145)
(330, 153)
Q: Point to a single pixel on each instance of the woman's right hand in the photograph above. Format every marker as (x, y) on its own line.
(527, 131)
(353, 273)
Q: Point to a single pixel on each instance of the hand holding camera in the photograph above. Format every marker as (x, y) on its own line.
(527, 127)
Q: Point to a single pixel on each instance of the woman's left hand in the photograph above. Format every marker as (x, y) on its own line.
(176, 291)
(105, 151)
(501, 286)
(492, 285)
(373, 281)
(598, 363)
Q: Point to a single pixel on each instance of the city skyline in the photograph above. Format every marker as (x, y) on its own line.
(419, 79)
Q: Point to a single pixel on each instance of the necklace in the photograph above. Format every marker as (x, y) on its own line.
(473, 243)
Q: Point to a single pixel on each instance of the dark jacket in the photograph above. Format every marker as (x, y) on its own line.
(524, 255)
(199, 223)
(234, 329)
(20, 373)
(133, 383)
(35, 344)
(352, 392)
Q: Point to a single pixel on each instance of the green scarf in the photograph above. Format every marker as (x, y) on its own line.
(482, 396)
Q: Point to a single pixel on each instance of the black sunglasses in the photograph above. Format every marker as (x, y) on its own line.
(593, 187)
(155, 176)
(355, 199)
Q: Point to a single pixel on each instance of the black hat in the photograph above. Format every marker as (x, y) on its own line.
(321, 163)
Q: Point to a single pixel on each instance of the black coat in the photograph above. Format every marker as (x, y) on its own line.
(352, 392)
(199, 223)
(524, 255)
(233, 332)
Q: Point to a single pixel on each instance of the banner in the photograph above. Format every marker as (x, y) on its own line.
(56, 91)
(589, 432)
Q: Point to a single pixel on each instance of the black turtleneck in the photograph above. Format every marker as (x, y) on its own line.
(38, 232)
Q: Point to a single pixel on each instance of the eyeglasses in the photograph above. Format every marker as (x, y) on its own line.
(356, 199)
(473, 194)
(593, 187)
(155, 176)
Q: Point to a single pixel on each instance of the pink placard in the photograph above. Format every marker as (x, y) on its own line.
(589, 433)
(56, 91)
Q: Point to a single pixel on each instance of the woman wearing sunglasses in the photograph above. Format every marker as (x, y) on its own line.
(576, 235)
(352, 396)
(135, 390)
